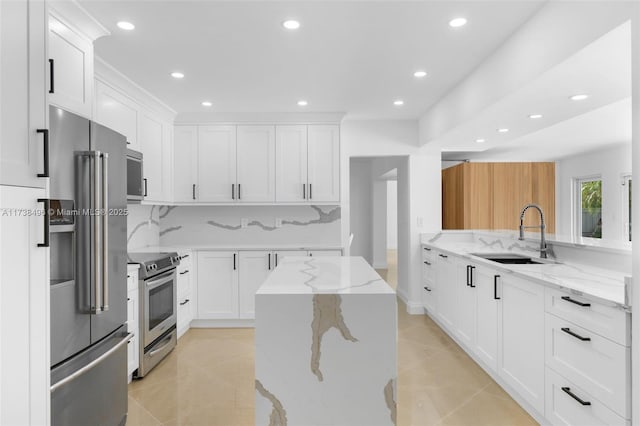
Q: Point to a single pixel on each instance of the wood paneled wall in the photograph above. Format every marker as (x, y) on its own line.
(491, 195)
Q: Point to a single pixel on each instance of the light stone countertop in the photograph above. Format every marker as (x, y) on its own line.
(326, 275)
(598, 284)
(231, 247)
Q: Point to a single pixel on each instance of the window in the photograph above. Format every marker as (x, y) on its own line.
(589, 207)
(626, 207)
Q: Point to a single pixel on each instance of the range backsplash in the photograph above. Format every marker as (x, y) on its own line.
(216, 225)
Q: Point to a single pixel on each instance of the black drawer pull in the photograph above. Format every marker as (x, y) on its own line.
(311, 191)
(234, 261)
(495, 287)
(471, 283)
(304, 191)
(45, 141)
(574, 396)
(427, 288)
(185, 302)
(468, 272)
(51, 79)
(233, 191)
(427, 248)
(194, 191)
(239, 193)
(575, 302)
(145, 186)
(47, 220)
(269, 265)
(186, 271)
(184, 257)
(577, 336)
(444, 256)
(427, 263)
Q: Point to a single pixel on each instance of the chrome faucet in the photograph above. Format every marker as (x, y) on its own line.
(543, 241)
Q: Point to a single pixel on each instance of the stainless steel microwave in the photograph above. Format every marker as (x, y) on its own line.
(136, 185)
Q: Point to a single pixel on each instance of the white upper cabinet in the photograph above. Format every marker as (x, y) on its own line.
(70, 68)
(118, 112)
(291, 164)
(151, 144)
(256, 164)
(324, 163)
(216, 164)
(185, 163)
(22, 53)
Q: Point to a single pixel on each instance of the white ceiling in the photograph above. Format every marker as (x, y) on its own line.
(602, 69)
(355, 57)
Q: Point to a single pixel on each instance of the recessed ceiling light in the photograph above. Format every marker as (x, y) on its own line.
(480, 140)
(399, 102)
(457, 22)
(535, 116)
(207, 104)
(503, 130)
(291, 24)
(177, 74)
(303, 103)
(580, 97)
(126, 25)
(420, 74)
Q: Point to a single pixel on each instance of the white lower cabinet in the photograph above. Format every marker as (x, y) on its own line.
(133, 322)
(569, 404)
(185, 292)
(217, 284)
(446, 276)
(254, 268)
(486, 317)
(465, 294)
(521, 360)
(320, 253)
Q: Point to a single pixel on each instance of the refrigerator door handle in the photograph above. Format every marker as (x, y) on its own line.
(105, 231)
(97, 233)
(92, 364)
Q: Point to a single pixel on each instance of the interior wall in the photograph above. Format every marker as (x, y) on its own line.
(379, 222)
(392, 214)
(361, 219)
(611, 164)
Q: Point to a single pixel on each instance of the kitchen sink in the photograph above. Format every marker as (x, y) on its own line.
(508, 258)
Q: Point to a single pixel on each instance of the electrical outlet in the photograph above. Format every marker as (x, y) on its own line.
(278, 222)
(244, 222)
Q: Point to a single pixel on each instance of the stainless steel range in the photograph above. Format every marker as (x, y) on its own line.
(158, 309)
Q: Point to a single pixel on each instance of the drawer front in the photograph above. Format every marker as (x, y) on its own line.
(598, 365)
(563, 409)
(427, 271)
(184, 282)
(185, 310)
(132, 281)
(428, 253)
(606, 321)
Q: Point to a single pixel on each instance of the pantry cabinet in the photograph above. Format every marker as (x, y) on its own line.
(70, 68)
(217, 285)
(23, 104)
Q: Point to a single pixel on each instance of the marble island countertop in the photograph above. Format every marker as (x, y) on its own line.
(328, 275)
(598, 284)
(212, 246)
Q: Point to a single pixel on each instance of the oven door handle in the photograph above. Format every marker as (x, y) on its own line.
(161, 279)
(161, 348)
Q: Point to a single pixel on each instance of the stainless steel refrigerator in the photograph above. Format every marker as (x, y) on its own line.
(88, 240)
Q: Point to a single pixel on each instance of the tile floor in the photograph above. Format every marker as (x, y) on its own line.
(209, 380)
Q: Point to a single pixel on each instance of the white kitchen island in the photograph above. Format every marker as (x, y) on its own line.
(326, 339)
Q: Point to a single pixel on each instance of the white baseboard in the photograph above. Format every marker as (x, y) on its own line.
(221, 323)
(413, 308)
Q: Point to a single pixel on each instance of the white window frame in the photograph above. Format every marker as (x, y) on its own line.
(577, 204)
(626, 234)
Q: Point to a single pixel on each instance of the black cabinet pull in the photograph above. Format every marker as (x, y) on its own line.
(233, 191)
(145, 186)
(276, 259)
(575, 302)
(194, 191)
(468, 271)
(471, 281)
(304, 191)
(128, 276)
(185, 302)
(495, 287)
(310, 192)
(269, 267)
(184, 257)
(574, 396)
(427, 248)
(427, 263)
(51, 79)
(186, 271)
(234, 261)
(239, 192)
(45, 141)
(443, 256)
(427, 288)
(47, 206)
(576, 335)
